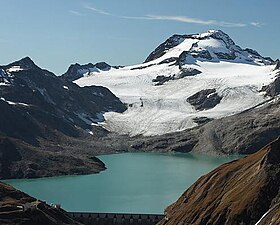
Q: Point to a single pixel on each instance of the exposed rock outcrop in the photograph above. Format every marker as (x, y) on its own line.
(168, 44)
(240, 192)
(168, 60)
(184, 72)
(205, 99)
(202, 120)
(76, 71)
(273, 89)
(277, 64)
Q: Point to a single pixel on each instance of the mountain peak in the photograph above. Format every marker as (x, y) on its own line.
(76, 71)
(220, 35)
(213, 45)
(25, 63)
(177, 39)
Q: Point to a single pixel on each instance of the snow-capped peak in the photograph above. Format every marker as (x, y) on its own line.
(217, 34)
(214, 45)
(187, 80)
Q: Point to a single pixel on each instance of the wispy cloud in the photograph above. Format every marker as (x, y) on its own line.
(135, 17)
(98, 10)
(257, 24)
(185, 19)
(76, 13)
(182, 19)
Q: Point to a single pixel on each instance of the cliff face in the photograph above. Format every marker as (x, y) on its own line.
(10, 212)
(240, 192)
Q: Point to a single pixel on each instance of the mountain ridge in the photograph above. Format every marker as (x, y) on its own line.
(41, 115)
(76, 71)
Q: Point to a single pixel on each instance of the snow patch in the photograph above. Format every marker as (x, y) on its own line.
(14, 69)
(14, 103)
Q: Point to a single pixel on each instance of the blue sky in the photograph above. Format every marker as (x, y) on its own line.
(56, 33)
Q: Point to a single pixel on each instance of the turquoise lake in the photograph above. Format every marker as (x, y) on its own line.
(133, 182)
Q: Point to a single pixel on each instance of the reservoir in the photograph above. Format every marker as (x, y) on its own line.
(132, 183)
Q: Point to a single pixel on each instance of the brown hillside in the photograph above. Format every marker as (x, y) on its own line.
(236, 193)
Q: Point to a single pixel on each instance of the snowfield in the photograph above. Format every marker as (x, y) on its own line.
(159, 109)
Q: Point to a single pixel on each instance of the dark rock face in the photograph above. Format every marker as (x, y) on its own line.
(141, 67)
(8, 154)
(204, 99)
(168, 44)
(76, 71)
(24, 63)
(277, 65)
(160, 80)
(185, 72)
(273, 89)
(202, 120)
(43, 118)
(168, 60)
(240, 192)
(225, 56)
(5, 78)
(41, 213)
(202, 53)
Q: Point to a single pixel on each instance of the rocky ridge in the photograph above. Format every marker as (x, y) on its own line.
(76, 71)
(43, 118)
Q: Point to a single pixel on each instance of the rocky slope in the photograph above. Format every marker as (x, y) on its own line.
(76, 71)
(12, 212)
(45, 120)
(240, 192)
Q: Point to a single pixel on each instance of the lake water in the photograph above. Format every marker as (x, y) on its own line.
(133, 183)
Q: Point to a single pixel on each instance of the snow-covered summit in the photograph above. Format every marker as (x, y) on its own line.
(214, 45)
(186, 81)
